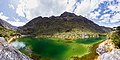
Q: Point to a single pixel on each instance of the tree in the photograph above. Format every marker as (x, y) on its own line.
(0, 35)
(118, 28)
(116, 37)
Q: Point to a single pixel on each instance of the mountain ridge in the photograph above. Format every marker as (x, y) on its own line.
(7, 25)
(66, 22)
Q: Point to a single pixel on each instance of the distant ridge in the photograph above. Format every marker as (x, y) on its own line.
(7, 25)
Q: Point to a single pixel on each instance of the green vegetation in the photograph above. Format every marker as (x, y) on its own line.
(56, 49)
(89, 40)
(6, 33)
(92, 55)
(116, 37)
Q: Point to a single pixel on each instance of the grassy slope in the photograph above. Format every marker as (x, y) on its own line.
(56, 49)
(92, 55)
(6, 32)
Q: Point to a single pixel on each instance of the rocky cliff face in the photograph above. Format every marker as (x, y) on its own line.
(8, 52)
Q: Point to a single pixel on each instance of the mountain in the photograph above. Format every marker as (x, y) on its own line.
(66, 22)
(107, 29)
(6, 29)
(7, 25)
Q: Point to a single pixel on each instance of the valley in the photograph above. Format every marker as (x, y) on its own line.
(64, 37)
(59, 29)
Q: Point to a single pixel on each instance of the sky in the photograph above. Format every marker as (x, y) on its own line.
(19, 12)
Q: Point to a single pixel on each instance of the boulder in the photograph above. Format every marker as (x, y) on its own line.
(107, 51)
(7, 52)
(113, 55)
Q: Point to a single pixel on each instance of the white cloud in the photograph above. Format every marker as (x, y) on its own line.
(16, 19)
(86, 7)
(49, 8)
(105, 16)
(114, 7)
(2, 16)
(106, 20)
(25, 6)
(17, 22)
(20, 11)
(33, 8)
(69, 6)
(93, 15)
(115, 18)
(14, 23)
(11, 6)
(106, 11)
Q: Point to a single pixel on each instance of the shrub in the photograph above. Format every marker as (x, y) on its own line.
(116, 37)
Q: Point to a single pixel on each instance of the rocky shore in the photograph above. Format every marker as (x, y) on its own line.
(7, 52)
(107, 51)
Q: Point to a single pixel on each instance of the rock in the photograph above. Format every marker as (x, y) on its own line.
(105, 47)
(67, 14)
(101, 51)
(7, 52)
(113, 55)
(107, 51)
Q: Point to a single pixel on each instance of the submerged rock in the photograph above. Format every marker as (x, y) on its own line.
(7, 52)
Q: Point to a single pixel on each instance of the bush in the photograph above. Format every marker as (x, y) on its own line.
(0, 35)
(116, 37)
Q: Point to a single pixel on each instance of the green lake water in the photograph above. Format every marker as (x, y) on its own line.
(58, 49)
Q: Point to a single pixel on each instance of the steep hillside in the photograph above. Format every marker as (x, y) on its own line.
(66, 22)
(7, 25)
(6, 29)
(6, 33)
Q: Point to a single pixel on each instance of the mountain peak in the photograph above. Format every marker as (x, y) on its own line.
(68, 14)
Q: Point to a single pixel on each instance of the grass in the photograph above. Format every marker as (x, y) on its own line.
(92, 55)
(58, 49)
(6, 33)
(89, 40)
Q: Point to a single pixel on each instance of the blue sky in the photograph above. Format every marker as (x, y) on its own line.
(19, 12)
